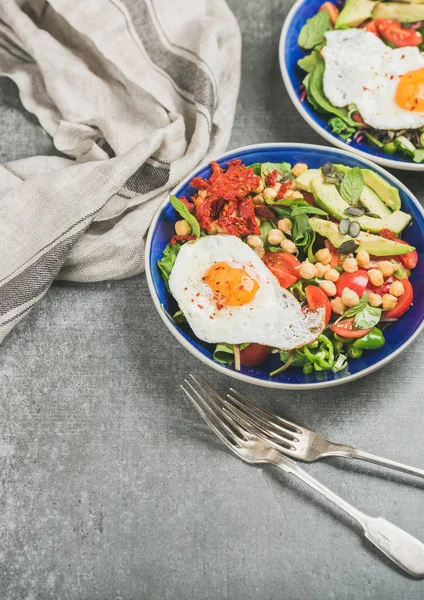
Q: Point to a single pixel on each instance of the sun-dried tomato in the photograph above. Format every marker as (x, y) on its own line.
(264, 212)
(181, 238)
(233, 226)
(189, 205)
(272, 178)
(247, 212)
(285, 187)
(386, 233)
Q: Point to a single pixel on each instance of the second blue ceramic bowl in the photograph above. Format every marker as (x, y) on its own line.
(289, 53)
(398, 335)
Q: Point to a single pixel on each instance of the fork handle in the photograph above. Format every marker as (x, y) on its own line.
(398, 545)
(385, 462)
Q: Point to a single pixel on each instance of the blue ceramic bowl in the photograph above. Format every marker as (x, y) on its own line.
(289, 54)
(398, 335)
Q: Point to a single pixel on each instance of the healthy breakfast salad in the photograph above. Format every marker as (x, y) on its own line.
(364, 70)
(305, 263)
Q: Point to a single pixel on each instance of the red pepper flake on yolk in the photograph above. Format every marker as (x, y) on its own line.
(237, 288)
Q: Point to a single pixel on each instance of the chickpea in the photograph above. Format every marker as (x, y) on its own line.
(386, 267)
(397, 289)
(332, 275)
(258, 199)
(321, 269)
(275, 237)
(328, 287)
(363, 259)
(258, 221)
(293, 194)
(307, 270)
(277, 186)
(389, 301)
(323, 256)
(350, 265)
(299, 168)
(182, 227)
(376, 277)
(288, 246)
(374, 299)
(260, 188)
(254, 241)
(269, 193)
(260, 251)
(285, 225)
(338, 306)
(349, 297)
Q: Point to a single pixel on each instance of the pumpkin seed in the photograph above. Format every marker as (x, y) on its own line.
(354, 229)
(328, 169)
(348, 247)
(344, 226)
(355, 211)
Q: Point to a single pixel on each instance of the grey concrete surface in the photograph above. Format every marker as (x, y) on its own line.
(111, 488)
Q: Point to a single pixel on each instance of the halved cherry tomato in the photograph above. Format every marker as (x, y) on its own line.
(371, 26)
(357, 282)
(335, 258)
(393, 32)
(403, 303)
(332, 10)
(347, 329)
(254, 354)
(285, 267)
(316, 298)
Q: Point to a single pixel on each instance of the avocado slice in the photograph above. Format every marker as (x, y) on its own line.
(328, 198)
(369, 199)
(386, 192)
(398, 11)
(304, 180)
(354, 13)
(373, 244)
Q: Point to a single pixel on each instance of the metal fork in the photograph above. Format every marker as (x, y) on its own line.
(301, 443)
(398, 545)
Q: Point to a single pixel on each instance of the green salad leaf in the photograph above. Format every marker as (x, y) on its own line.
(351, 312)
(352, 186)
(167, 261)
(265, 228)
(312, 33)
(284, 169)
(309, 62)
(224, 353)
(179, 317)
(368, 317)
(256, 168)
(341, 128)
(182, 209)
(307, 209)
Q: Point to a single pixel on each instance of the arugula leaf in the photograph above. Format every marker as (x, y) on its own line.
(308, 62)
(341, 128)
(224, 353)
(256, 167)
(182, 209)
(167, 261)
(283, 169)
(351, 312)
(368, 317)
(312, 33)
(352, 186)
(307, 209)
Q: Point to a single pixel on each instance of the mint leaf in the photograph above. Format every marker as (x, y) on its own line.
(182, 210)
(312, 33)
(351, 312)
(368, 317)
(352, 186)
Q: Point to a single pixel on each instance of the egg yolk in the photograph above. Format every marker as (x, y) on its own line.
(410, 91)
(232, 286)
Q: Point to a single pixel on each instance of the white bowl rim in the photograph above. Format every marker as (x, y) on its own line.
(236, 374)
(385, 162)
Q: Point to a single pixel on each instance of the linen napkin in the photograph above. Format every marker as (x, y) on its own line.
(135, 93)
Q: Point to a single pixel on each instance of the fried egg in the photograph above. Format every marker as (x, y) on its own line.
(228, 294)
(387, 85)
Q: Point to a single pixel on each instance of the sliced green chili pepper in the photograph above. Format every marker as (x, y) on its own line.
(372, 341)
(324, 357)
(355, 352)
(308, 368)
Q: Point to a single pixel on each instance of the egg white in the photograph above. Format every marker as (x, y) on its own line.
(360, 69)
(273, 318)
